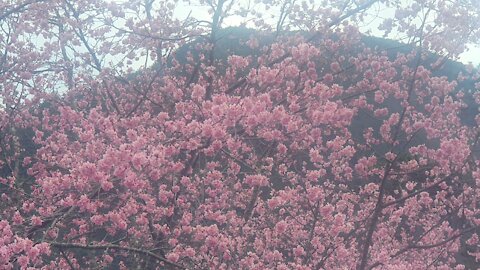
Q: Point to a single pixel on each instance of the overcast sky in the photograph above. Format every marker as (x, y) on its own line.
(199, 12)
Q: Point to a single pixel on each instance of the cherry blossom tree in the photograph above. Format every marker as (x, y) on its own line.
(298, 148)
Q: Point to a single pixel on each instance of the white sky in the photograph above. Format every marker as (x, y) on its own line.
(472, 55)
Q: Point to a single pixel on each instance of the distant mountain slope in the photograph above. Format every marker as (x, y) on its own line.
(231, 41)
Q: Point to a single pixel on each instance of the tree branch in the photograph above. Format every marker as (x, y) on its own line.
(117, 247)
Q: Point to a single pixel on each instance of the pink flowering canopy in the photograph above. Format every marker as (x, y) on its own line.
(133, 136)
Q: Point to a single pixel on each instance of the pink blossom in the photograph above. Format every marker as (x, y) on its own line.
(130, 131)
(173, 257)
(17, 218)
(299, 251)
(36, 221)
(281, 227)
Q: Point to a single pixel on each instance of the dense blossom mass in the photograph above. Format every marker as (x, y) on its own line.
(135, 136)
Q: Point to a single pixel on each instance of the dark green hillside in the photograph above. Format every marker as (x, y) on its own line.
(232, 41)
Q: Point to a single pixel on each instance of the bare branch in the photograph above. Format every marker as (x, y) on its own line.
(117, 247)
